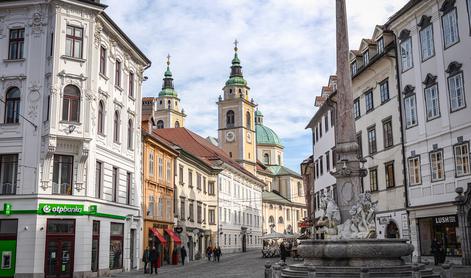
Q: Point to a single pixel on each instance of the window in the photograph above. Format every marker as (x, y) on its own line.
(131, 84)
(204, 185)
(426, 42)
(369, 101)
(380, 45)
(168, 209)
(411, 111)
(116, 245)
(151, 163)
(117, 75)
(462, 165)
(128, 187)
(248, 122)
(103, 60)
(8, 174)
(280, 220)
(332, 117)
(327, 160)
(182, 209)
(266, 158)
(12, 106)
(321, 165)
(16, 44)
(406, 54)
(389, 174)
(169, 173)
(161, 168)
(356, 108)
(71, 104)
(177, 124)
(230, 118)
(366, 58)
(198, 213)
(62, 174)
(101, 117)
(190, 178)
(191, 212)
(130, 134)
(160, 208)
(436, 165)
(74, 42)
(160, 124)
(98, 179)
(387, 133)
(51, 49)
(211, 188)
(373, 179)
(415, 177)
(300, 189)
(212, 216)
(116, 127)
(360, 146)
(432, 103)
(372, 140)
(320, 129)
(384, 91)
(456, 91)
(450, 28)
(198, 181)
(271, 220)
(180, 174)
(326, 122)
(95, 245)
(115, 184)
(354, 68)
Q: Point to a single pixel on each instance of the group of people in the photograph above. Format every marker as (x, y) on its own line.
(151, 257)
(214, 253)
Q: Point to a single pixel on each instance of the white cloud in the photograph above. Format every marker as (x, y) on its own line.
(287, 49)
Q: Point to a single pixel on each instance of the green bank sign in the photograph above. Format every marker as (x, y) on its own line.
(61, 209)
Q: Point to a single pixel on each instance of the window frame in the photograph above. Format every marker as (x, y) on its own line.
(387, 165)
(74, 39)
(454, 10)
(101, 118)
(15, 105)
(406, 114)
(386, 136)
(118, 73)
(130, 134)
(441, 161)
(230, 118)
(18, 42)
(103, 63)
(114, 184)
(464, 143)
(380, 45)
(131, 84)
(382, 84)
(372, 150)
(373, 178)
(403, 42)
(426, 98)
(99, 179)
(422, 31)
(70, 101)
(451, 76)
(409, 160)
(58, 159)
(369, 94)
(116, 126)
(356, 103)
(13, 164)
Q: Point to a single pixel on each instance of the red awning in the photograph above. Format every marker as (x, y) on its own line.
(174, 236)
(158, 235)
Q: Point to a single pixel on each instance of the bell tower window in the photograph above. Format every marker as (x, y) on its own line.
(248, 120)
(230, 118)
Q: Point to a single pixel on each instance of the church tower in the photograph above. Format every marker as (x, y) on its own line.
(167, 111)
(236, 128)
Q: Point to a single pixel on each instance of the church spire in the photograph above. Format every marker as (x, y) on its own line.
(167, 87)
(236, 77)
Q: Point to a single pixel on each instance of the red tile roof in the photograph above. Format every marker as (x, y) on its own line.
(200, 147)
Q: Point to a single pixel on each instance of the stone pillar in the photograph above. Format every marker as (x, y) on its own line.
(463, 204)
(268, 270)
(348, 166)
(276, 271)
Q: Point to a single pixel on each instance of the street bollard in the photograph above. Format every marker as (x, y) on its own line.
(268, 270)
(311, 271)
(447, 270)
(364, 272)
(276, 272)
(416, 271)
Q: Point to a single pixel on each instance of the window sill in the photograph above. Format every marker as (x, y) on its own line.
(75, 59)
(104, 76)
(70, 123)
(13, 60)
(118, 88)
(10, 124)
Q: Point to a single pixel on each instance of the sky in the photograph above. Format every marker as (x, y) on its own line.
(286, 48)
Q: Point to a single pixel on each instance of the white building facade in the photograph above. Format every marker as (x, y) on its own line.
(69, 141)
(433, 39)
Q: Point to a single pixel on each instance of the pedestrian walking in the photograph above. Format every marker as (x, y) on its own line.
(283, 252)
(436, 250)
(146, 258)
(218, 253)
(209, 252)
(154, 257)
(183, 254)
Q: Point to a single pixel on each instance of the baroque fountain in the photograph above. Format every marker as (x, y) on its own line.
(350, 247)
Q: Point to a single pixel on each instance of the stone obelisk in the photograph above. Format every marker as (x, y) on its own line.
(348, 171)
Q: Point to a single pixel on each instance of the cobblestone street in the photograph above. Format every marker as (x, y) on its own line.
(250, 264)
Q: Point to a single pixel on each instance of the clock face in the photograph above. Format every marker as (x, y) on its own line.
(230, 136)
(249, 137)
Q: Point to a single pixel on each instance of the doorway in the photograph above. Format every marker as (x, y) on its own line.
(391, 230)
(60, 242)
(244, 243)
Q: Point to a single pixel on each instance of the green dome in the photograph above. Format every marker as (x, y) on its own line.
(236, 80)
(168, 92)
(266, 136)
(258, 113)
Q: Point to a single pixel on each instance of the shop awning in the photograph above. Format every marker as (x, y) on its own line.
(174, 236)
(158, 235)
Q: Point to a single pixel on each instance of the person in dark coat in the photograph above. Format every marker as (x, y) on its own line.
(436, 250)
(218, 253)
(283, 252)
(209, 251)
(154, 257)
(183, 254)
(146, 258)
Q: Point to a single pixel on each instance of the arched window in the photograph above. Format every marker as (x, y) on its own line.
(71, 104)
(12, 106)
(101, 117)
(266, 158)
(168, 104)
(271, 220)
(160, 124)
(116, 127)
(280, 220)
(230, 118)
(248, 120)
(177, 124)
(130, 134)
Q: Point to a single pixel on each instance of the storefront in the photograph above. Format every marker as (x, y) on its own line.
(163, 238)
(443, 228)
(8, 237)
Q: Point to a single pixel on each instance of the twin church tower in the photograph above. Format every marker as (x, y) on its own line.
(236, 114)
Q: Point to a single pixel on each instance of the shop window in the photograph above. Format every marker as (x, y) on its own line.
(116, 245)
(62, 174)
